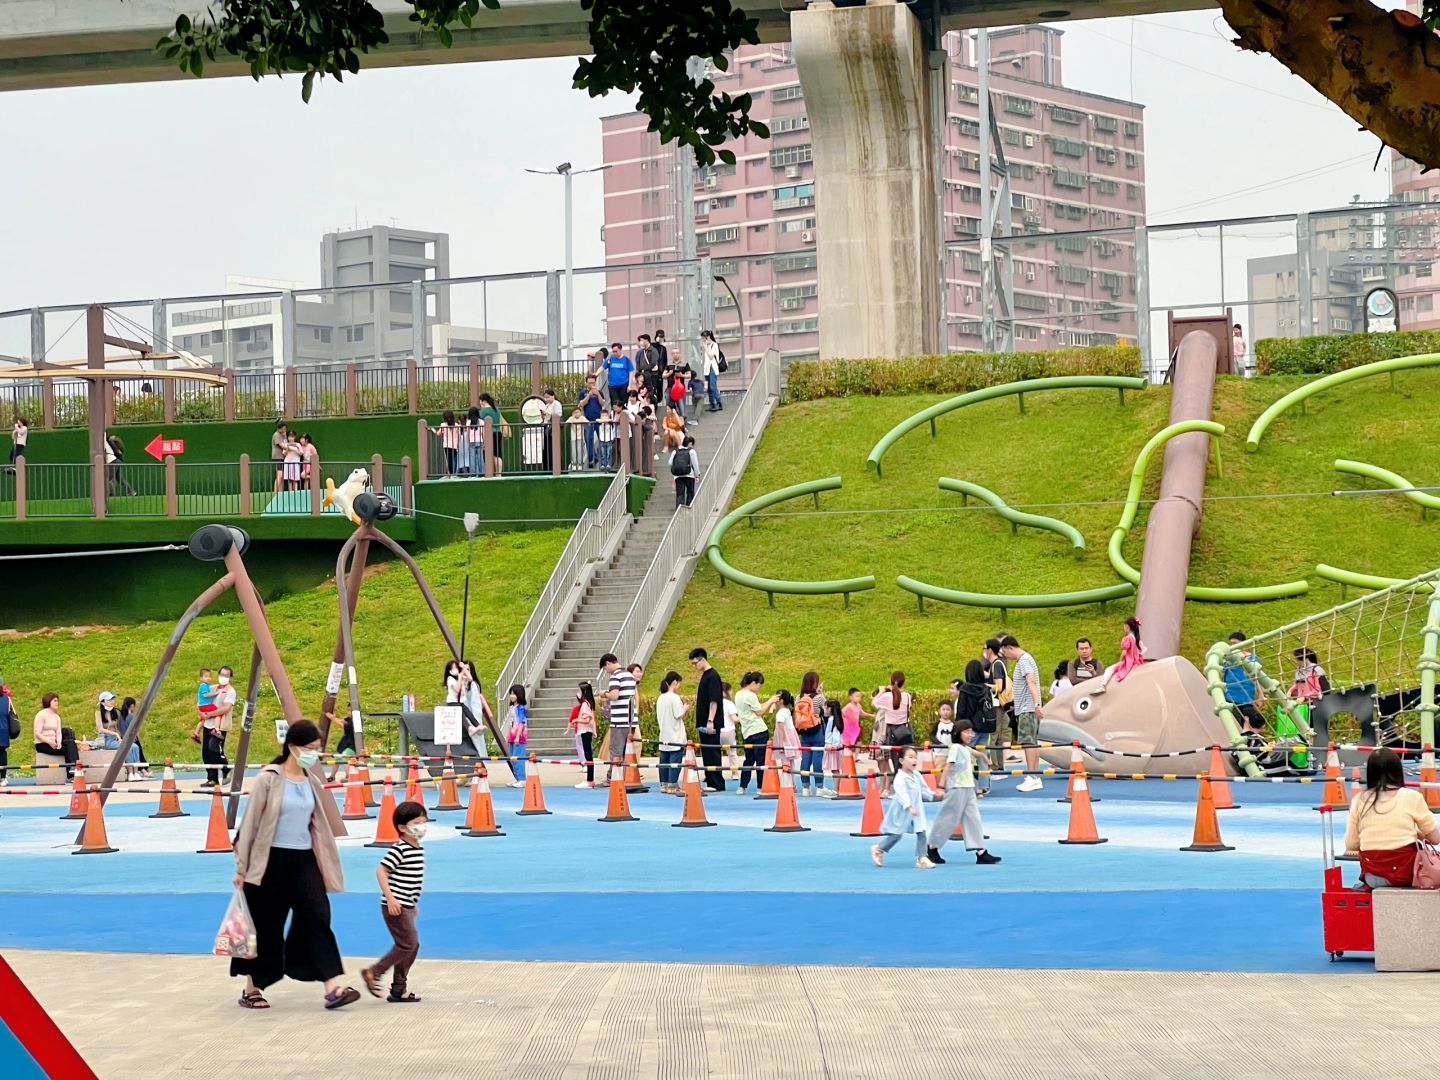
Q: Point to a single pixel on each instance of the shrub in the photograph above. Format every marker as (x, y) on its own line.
(955, 373)
(1335, 352)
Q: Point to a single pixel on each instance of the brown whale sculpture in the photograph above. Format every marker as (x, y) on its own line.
(1161, 706)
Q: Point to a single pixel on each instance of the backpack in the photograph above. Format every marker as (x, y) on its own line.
(724, 367)
(805, 717)
(680, 463)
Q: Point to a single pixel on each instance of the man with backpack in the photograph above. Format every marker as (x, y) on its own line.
(685, 468)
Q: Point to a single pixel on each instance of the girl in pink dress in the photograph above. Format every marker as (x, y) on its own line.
(1132, 655)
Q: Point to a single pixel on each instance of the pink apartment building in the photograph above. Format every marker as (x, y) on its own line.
(1076, 163)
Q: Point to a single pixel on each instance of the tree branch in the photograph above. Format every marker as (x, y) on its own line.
(1384, 75)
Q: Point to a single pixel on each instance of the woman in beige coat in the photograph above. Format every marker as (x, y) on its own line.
(287, 861)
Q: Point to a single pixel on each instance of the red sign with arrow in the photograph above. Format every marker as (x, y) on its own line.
(160, 447)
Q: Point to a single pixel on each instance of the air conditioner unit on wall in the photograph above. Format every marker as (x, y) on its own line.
(807, 236)
(792, 172)
(1029, 140)
(711, 183)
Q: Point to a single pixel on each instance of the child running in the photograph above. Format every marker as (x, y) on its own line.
(961, 805)
(401, 874)
(906, 813)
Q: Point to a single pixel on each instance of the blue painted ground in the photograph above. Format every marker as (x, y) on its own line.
(737, 893)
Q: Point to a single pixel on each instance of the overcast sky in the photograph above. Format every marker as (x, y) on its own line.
(163, 189)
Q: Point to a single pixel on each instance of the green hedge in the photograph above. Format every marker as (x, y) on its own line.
(1336, 352)
(952, 374)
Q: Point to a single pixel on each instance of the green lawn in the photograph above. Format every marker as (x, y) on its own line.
(1072, 447)
(398, 649)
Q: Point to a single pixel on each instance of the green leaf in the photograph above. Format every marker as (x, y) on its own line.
(446, 38)
(197, 64)
(307, 85)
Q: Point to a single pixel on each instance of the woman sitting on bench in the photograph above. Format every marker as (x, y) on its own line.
(52, 737)
(107, 733)
(1385, 821)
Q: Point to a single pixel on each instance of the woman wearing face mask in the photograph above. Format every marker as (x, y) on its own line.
(287, 861)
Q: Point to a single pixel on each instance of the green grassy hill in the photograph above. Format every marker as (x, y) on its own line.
(398, 649)
(1073, 448)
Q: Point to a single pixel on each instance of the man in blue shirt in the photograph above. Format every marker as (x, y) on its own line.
(1242, 691)
(590, 406)
(619, 372)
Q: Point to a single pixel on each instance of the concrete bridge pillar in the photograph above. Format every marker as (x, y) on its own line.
(863, 71)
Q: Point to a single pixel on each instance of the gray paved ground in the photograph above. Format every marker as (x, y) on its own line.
(144, 1016)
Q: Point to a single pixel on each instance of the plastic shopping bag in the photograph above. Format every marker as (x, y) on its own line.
(236, 936)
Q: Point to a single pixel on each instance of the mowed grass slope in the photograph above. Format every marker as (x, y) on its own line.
(398, 648)
(1073, 448)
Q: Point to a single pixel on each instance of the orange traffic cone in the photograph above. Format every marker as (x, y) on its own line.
(169, 794)
(769, 776)
(94, 841)
(480, 818)
(1335, 797)
(619, 807)
(871, 813)
(634, 783)
(1082, 818)
(787, 812)
(385, 831)
(1428, 776)
(927, 768)
(693, 814)
(217, 836)
(79, 802)
(356, 789)
(1219, 783)
(362, 773)
(534, 793)
(1207, 825)
(1077, 768)
(412, 784)
(849, 785)
(449, 795)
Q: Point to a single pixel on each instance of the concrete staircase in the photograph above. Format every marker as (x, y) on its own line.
(607, 598)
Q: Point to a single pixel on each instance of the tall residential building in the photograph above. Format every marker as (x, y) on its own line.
(1076, 162)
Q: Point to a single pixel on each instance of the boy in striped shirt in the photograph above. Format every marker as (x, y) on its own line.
(401, 874)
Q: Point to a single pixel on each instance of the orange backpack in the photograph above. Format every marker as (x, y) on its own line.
(805, 718)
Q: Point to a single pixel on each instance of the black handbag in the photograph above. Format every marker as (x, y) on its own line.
(14, 723)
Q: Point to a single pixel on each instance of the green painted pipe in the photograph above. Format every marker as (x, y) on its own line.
(1367, 581)
(1327, 382)
(989, 393)
(1015, 517)
(1115, 548)
(1389, 479)
(770, 586)
(1429, 663)
(996, 600)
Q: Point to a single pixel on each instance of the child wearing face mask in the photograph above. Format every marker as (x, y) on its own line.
(401, 874)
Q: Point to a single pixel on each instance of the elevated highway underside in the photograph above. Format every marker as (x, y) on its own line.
(52, 43)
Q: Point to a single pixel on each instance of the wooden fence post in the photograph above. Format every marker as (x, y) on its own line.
(172, 500)
(537, 374)
(352, 391)
(228, 390)
(555, 447)
(487, 435)
(412, 387)
(97, 485)
(290, 392)
(167, 395)
(422, 449)
(377, 473)
(623, 419)
(244, 485)
(21, 488)
(407, 478)
(474, 383)
(315, 492)
(47, 404)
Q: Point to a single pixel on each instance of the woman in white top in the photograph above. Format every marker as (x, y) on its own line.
(710, 369)
(18, 436)
(468, 693)
(670, 712)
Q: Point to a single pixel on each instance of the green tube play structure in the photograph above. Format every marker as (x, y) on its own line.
(1327, 382)
(1217, 658)
(925, 591)
(1015, 517)
(1357, 580)
(1115, 549)
(1120, 383)
(771, 586)
(1423, 499)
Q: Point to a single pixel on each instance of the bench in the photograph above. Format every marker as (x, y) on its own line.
(1407, 929)
(49, 769)
(96, 762)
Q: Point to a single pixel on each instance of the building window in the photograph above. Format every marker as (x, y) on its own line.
(1425, 302)
(787, 93)
(968, 160)
(1111, 282)
(1106, 187)
(970, 260)
(1132, 128)
(799, 326)
(793, 195)
(725, 267)
(797, 292)
(1072, 243)
(797, 225)
(723, 202)
(721, 236)
(969, 193)
(1068, 147)
(783, 124)
(1069, 178)
(1072, 273)
(965, 92)
(759, 228)
(1132, 159)
(967, 226)
(1104, 123)
(1018, 105)
(1062, 115)
(1106, 154)
(1025, 301)
(968, 127)
(790, 155)
(1422, 269)
(788, 263)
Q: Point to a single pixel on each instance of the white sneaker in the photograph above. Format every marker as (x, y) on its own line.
(1030, 783)
(923, 863)
(804, 792)
(583, 784)
(826, 793)
(876, 855)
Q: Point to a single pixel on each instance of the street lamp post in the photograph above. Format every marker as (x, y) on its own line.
(740, 318)
(566, 170)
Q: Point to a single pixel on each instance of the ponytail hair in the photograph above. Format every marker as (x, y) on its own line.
(1133, 625)
(897, 684)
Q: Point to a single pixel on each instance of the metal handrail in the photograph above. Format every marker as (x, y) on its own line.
(689, 526)
(592, 536)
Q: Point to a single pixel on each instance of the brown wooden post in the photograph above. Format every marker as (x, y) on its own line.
(167, 389)
(406, 479)
(474, 383)
(47, 404)
(422, 449)
(623, 419)
(377, 473)
(487, 430)
(290, 392)
(315, 492)
(21, 488)
(229, 394)
(352, 391)
(537, 374)
(244, 484)
(98, 485)
(555, 447)
(412, 387)
(172, 501)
